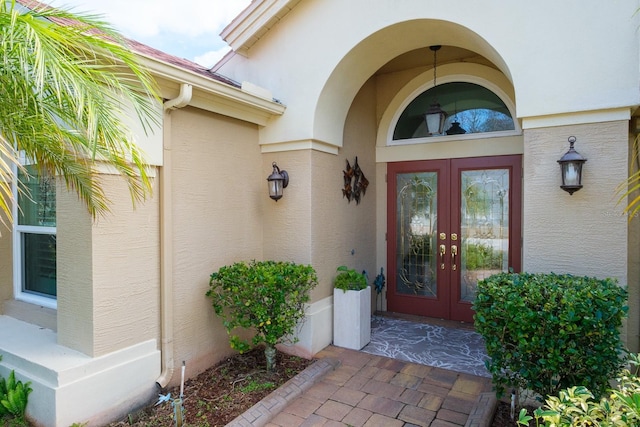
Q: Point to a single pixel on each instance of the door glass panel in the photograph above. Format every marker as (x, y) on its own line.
(484, 227)
(416, 233)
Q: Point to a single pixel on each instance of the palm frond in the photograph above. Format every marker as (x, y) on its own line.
(629, 189)
(66, 81)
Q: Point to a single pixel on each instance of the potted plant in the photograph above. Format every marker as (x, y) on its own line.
(351, 309)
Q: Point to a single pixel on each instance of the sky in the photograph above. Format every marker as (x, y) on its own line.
(186, 28)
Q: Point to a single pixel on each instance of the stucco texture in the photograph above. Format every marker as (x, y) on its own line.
(6, 260)
(108, 272)
(218, 192)
(583, 233)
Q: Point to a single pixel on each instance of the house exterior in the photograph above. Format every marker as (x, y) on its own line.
(312, 85)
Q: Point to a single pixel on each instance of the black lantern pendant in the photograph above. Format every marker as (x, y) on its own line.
(435, 116)
(455, 129)
(571, 168)
(277, 181)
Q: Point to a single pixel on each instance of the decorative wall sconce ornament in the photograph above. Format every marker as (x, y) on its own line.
(277, 181)
(571, 168)
(355, 183)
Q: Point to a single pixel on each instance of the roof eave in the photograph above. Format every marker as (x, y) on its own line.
(253, 22)
(215, 96)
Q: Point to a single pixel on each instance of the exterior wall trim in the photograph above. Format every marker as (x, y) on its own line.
(306, 144)
(581, 117)
(61, 376)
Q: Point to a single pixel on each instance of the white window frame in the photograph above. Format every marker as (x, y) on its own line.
(18, 255)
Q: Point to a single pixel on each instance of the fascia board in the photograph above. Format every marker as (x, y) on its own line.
(253, 22)
(215, 96)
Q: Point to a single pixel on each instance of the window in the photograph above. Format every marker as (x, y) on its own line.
(475, 108)
(35, 237)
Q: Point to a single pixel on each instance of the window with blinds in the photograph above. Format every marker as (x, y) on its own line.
(35, 237)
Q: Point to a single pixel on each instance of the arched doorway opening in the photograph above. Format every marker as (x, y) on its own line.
(453, 214)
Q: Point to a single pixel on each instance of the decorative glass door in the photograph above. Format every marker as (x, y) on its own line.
(451, 223)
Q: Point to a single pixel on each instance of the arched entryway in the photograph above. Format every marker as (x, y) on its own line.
(454, 196)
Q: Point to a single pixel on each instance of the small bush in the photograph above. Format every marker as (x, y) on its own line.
(267, 296)
(547, 332)
(350, 280)
(576, 406)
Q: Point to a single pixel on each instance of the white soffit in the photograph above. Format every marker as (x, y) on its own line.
(253, 22)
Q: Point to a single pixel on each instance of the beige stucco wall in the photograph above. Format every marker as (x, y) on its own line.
(584, 233)
(313, 223)
(108, 272)
(633, 259)
(219, 188)
(345, 233)
(6, 263)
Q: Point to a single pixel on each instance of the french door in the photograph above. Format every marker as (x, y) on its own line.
(451, 223)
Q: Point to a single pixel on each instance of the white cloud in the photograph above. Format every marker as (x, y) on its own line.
(185, 28)
(209, 59)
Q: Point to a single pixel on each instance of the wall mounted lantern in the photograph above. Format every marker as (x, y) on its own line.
(435, 116)
(571, 168)
(277, 181)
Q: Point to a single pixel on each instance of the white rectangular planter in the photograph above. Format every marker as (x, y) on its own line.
(352, 318)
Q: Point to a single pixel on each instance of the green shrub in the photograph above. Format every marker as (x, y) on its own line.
(482, 256)
(576, 406)
(13, 397)
(266, 296)
(547, 332)
(350, 280)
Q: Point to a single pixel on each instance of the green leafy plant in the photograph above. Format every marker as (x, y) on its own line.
(576, 406)
(479, 256)
(267, 296)
(13, 397)
(349, 279)
(548, 332)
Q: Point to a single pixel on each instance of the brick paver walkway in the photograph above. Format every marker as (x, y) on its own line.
(367, 390)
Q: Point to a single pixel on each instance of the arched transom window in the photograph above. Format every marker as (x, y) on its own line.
(470, 108)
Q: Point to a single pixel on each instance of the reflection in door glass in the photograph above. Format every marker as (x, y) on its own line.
(416, 230)
(484, 227)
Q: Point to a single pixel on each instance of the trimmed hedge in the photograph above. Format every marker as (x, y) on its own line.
(267, 297)
(548, 332)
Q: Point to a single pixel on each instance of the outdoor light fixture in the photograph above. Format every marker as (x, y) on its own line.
(455, 129)
(277, 181)
(571, 168)
(435, 117)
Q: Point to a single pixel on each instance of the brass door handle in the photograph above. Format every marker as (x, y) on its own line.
(454, 253)
(443, 251)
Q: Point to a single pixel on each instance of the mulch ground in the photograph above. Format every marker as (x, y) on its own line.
(502, 417)
(221, 393)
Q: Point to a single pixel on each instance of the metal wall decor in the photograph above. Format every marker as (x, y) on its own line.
(355, 183)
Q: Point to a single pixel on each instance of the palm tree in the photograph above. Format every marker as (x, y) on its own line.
(66, 80)
(629, 190)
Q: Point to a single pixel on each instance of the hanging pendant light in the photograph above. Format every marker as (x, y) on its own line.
(455, 128)
(435, 116)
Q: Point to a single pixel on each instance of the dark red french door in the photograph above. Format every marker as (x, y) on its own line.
(450, 224)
